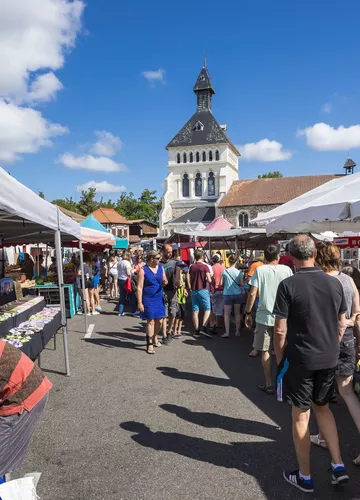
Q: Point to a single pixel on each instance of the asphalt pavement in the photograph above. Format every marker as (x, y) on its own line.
(186, 423)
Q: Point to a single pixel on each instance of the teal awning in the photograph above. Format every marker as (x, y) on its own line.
(121, 243)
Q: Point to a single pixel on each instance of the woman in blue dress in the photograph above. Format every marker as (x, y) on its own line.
(151, 279)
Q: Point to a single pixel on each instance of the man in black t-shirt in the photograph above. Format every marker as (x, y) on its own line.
(310, 315)
(172, 275)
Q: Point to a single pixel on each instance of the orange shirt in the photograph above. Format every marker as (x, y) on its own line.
(252, 270)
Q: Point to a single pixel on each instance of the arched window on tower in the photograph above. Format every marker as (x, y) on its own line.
(210, 156)
(184, 158)
(178, 160)
(191, 157)
(185, 186)
(197, 157)
(198, 185)
(217, 155)
(211, 184)
(243, 219)
(204, 156)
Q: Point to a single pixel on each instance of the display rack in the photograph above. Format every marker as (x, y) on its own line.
(22, 311)
(51, 294)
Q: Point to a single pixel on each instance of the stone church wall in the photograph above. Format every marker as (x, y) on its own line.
(232, 213)
(178, 212)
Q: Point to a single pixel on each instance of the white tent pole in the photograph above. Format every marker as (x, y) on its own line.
(62, 298)
(83, 284)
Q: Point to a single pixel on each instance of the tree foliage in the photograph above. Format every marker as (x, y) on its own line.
(147, 206)
(271, 175)
(41, 194)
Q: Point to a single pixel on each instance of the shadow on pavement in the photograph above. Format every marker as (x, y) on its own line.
(111, 343)
(194, 377)
(231, 424)
(253, 458)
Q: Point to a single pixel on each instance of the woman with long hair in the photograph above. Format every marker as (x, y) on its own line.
(89, 284)
(233, 281)
(112, 276)
(151, 279)
(329, 259)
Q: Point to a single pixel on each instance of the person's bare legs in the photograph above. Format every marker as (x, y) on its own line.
(266, 364)
(206, 318)
(150, 326)
(327, 427)
(172, 320)
(87, 299)
(301, 436)
(195, 318)
(157, 328)
(164, 326)
(92, 299)
(179, 326)
(237, 311)
(352, 402)
(227, 315)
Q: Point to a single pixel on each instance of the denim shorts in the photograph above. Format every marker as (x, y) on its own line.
(200, 298)
(232, 300)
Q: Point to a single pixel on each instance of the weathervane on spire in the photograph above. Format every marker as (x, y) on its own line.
(204, 59)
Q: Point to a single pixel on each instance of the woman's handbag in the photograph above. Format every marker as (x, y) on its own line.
(19, 489)
(127, 286)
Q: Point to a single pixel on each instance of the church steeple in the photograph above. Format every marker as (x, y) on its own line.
(204, 90)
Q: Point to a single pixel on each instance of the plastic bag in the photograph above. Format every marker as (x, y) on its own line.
(19, 489)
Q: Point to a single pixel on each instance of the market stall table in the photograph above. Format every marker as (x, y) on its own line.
(51, 294)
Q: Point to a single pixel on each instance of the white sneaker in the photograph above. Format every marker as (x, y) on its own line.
(225, 336)
(95, 313)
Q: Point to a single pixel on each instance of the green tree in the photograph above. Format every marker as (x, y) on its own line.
(87, 203)
(271, 175)
(41, 194)
(68, 203)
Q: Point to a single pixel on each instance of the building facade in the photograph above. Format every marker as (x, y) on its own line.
(249, 198)
(115, 223)
(202, 165)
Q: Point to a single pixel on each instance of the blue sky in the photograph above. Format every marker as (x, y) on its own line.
(277, 68)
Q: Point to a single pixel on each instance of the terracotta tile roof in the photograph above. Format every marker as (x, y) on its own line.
(109, 216)
(271, 191)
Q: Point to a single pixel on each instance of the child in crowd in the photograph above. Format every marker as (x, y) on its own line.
(181, 299)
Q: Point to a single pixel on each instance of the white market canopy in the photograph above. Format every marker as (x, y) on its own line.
(27, 218)
(334, 206)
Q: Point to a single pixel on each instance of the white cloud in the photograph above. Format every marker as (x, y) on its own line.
(154, 76)
(35, 35)
(264, 151)
(89, 162)
(323, 137)
(24, 130)
(107, 144)
(327, 108)
(101, 187)
(43, 88)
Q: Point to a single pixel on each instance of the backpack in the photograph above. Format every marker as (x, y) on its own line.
(169, 268)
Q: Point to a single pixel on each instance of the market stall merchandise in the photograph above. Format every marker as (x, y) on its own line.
(28, 325)
(27, 218)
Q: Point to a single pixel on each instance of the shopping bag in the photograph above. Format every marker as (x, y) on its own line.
(19, 489)
(127, 285)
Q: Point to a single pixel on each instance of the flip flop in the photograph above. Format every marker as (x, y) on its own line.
(253, 355)
(356, 461)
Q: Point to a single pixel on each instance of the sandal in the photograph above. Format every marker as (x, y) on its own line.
(149, 345)
(319, 442)
(253, 353)
(268, 389)
(357, 461)
(157, 344)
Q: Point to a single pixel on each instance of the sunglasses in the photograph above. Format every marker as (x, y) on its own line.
(156, 258)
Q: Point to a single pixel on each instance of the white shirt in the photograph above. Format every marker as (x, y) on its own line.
(122, 269)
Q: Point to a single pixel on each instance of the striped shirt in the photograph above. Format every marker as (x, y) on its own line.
(22, 384)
